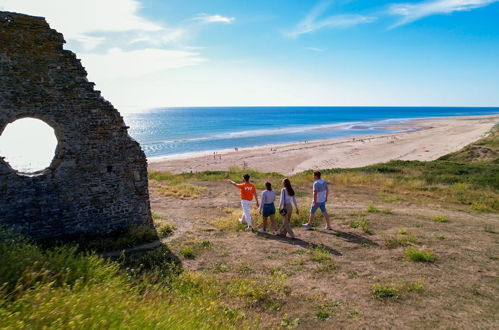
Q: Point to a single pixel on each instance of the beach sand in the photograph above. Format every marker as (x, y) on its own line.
(426, 140)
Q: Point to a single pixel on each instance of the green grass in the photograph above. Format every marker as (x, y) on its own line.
(440, 218)
(62, 288)
(322, 315)
(381, 291)
(402, 238)
(132, 237)
(395, 291)
(362, 224)
(181, 190)
(320, 254)
(188, 252)
(372, 209)
(418, 255)
(483, 150)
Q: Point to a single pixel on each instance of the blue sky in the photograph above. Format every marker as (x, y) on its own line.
(155, 53)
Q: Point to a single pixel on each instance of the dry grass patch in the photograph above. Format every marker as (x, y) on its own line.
(181, 190)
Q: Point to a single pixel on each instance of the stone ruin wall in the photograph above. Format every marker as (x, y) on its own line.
(97, 182)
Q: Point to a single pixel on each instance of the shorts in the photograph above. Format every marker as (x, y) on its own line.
(268, 209)
(318, 205)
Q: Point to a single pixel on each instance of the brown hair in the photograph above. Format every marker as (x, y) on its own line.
(268, 185)
(287, 184)
(317, 174)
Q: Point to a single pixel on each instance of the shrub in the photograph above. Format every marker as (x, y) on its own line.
(417, 255)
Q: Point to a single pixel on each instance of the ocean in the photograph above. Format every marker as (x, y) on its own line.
(175, 131)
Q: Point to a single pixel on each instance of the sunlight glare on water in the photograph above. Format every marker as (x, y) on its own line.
(28, 145)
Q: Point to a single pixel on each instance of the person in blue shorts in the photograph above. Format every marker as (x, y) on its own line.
(267, 209)
(321, 194)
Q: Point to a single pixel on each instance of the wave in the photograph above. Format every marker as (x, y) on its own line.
(359, 125)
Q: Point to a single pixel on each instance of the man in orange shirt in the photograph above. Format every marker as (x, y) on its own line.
(248, 191)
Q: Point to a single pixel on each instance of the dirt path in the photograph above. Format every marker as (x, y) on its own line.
(462, 279)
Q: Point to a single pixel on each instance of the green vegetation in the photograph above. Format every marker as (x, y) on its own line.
(440, 218)
(362, 224)
(372, 209)
(402, 238)
(181, 190)
(132, 237)
(322, 255)
(322, 315)
(483, 150)
(381, 291)
(63, 288)
(414, 254)
(188, 252)
(395, 291)
(234, 173)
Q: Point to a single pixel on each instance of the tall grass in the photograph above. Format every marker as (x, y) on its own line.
(62, 288)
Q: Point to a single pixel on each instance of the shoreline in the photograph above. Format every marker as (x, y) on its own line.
(419, 139)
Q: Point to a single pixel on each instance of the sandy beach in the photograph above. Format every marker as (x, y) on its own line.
(424, 139)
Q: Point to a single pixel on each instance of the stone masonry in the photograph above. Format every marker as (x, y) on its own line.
(97, 182)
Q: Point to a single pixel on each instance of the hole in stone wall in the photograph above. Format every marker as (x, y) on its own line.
(28, 145)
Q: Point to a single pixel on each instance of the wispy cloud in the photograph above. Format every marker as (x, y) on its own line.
(315, 49)
(205, 18)
(312, 22)
(410, 12)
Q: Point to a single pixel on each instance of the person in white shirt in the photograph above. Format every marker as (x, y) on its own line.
(321, 194)
(286, 208)
(267, 209)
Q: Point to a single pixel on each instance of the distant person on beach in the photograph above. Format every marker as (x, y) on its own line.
(286, 208)
(321, 194)
(248, 191)
(267, 209)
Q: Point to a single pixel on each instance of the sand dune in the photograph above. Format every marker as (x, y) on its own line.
(427, 139)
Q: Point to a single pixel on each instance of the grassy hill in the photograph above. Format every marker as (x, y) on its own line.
(485, 150)
(414, 246)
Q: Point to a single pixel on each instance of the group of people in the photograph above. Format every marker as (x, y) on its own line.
(286, 201)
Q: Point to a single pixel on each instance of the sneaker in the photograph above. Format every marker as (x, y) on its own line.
(328, 228)
(262, 231)
(307, 226)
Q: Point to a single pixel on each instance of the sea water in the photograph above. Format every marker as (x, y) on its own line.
(173, 131)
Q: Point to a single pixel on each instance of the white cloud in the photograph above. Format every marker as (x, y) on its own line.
(315, 49)
(205, 18)
(117, 63)
(312, 23)
(79, 19)
(411, 12)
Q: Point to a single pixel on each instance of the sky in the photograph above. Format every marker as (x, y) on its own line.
(145, 54)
